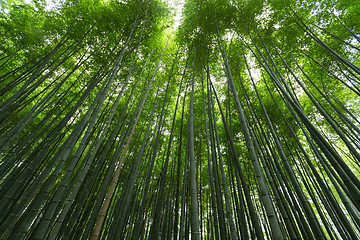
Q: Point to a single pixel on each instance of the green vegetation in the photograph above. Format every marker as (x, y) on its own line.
(241, 123)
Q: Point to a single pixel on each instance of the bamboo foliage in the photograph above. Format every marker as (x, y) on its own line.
(241, 123)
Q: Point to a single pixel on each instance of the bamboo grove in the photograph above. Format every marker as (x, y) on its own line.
(241, 123)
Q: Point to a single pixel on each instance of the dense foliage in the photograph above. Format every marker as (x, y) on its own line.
(241, 123)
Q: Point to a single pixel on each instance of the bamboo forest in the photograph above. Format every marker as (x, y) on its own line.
(184, 119)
